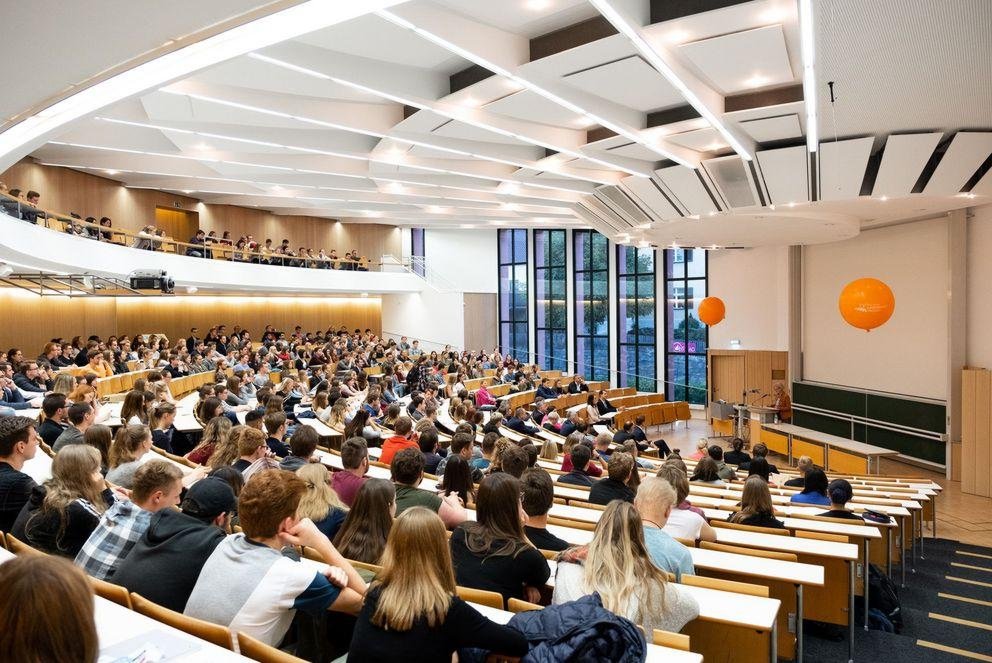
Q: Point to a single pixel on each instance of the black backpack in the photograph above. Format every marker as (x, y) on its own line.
(883, 595)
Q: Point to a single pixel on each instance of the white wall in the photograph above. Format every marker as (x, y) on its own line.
(435, 318)
(465, 258)
(754, 285)
(907, 355)
(979, 315)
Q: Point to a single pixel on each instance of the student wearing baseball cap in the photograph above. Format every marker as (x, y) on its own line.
(165, 563)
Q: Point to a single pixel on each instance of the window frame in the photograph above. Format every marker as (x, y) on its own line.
(636, 345)
(513, 342)
(579, 272)
(685, 305)
(558, 356)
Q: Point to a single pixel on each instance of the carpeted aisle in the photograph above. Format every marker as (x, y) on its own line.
(947, 613)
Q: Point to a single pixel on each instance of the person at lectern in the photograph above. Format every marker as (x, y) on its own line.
(783, 404)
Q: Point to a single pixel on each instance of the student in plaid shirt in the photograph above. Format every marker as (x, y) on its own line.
(157, 485)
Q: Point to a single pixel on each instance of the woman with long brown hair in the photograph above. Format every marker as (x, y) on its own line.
(756, 505)
(47, 612)
(216, 430)
(411, 611)
(62, 514)
(129, 445)
(363, 534)
(133, 409)
(618, 567)
(494, 553)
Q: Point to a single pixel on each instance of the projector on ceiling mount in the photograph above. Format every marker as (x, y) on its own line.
(152, 279)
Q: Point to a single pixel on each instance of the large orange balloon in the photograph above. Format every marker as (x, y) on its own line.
(712, 310)
(866, 303)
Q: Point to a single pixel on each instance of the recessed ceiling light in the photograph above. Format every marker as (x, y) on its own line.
(537, 5)
(201, 146)
(467, 225)
(773, 15)
(187, 191)
(791, 204)
(883, 198)
(677, 36)
(111, 172)
(584, 122)
(470, 102)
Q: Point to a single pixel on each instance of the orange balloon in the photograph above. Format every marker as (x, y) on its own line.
(712, 310)
(866, 303)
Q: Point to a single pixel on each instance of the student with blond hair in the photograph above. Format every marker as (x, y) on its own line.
(411, 611)
(618, 567)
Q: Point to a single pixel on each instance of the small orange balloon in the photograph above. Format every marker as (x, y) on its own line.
(712, 310)
(866, 303)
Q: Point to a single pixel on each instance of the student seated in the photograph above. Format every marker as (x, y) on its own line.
(493, 553)
(411, 611)
(580, 457)
(654, 502)
(407, 471)
(707, 473)
(157, 485)
(702, 449)
(840, 493)
(815, 489)
(759, 467)
(126, 451)
(804, 465)
(363, 534)
(537, 495)
(403, 439)
(756, 505)
(62, 514)
(276, 426)
(320, 503)
(518, 423)
(355, 459)
(18, 444)
(457, 479)
(302, 445)
(724, 471)
(760, 451)
(683, 522)
(618, 567)
(56, 412)
(48, 612)
(164, 564)
(614, 486)
(248, 585)
(737, 455)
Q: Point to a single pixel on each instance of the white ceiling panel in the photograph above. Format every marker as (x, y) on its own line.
(903, 160)
(742, 60)
(455, 129)
(786, 174)
(634, 151)
(707, 139)
(842, 167)
(646, 191)
(768, 129)
(984, 185)
(685, 185)
(631, 82)
(527, 105)
(375, 38)
(967, 151)
(529, 18)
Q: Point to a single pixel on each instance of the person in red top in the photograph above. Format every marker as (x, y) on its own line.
(593, 469)
(402, 440)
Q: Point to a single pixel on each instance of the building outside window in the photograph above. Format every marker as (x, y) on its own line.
(550, 306)
(513, 337)
(686, 338)
(636, 318)
(592, 304)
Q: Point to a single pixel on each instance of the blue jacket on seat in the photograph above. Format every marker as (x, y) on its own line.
(581, 630)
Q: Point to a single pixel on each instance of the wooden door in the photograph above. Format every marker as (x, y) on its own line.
(727, 372)
(179, 224)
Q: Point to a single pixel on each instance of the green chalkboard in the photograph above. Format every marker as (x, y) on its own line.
(889, 409)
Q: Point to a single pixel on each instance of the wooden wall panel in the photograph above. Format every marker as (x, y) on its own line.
(480, 320)
(968, 441)
(983, 432)
(731, 372)
(728, 373)
(178, 223)
(33, 320)
(65, 190)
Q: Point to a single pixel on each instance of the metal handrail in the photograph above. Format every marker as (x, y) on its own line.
(207, 251)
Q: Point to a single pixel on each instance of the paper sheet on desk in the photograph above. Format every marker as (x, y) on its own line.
(151, 647)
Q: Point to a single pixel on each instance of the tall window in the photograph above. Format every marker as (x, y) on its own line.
(592, 304)
(513, 338)
(549, 299)
(636, 318)
(686, 337)
(417, 251)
